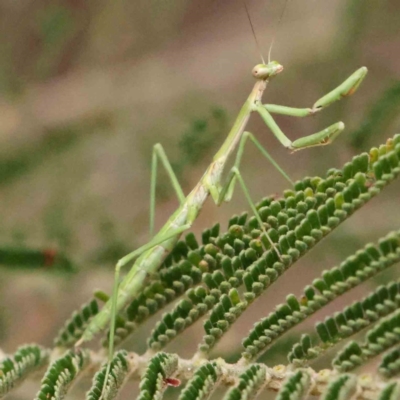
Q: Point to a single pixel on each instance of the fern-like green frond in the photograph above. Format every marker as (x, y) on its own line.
(378, 339)
(14, 369)
(357, 268)
(295, 223)
(295, 387)
(154, 381)
(119, 370)
(250, 383)
(203, 382)
(379, 303)
(61, 374)
(75, 325)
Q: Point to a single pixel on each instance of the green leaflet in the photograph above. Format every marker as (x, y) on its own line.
(14, 369)
(379, 303)
(75, 325)
(120, 367)
(295, 387)
(390, 364)
(203, 382)
(390, 392)
(61, 373)
(250, 383)
(357, 268)
(382, 336)
(154, 381)
(341, 388)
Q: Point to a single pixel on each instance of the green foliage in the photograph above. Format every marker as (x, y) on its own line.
(203, 382)
(341, 388)
(119, 370)
(382, 336)
(170, 283)
(295, 387)
(75, 325)
(390, 392)
(379, 303)
(242, 256)
(210, 276)
(61, 374)
(249, 384)
(16, 368)
(390, 364)
(154, 381)
(357, 268)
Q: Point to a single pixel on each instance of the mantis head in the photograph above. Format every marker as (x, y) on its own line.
(265, 71)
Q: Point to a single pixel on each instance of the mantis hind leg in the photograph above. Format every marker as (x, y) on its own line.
(159, 153)
(135, 272)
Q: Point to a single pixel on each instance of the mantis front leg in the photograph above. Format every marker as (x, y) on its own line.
(324, 137)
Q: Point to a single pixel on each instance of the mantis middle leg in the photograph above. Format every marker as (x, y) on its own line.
(159, 153)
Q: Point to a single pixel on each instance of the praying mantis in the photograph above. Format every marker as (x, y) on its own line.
(150, 256)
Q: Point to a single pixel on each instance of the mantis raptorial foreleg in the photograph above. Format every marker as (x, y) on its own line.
(158, 152)
(324, 137)
(321, 138)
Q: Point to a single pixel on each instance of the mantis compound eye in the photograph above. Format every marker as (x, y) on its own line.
(265, 71)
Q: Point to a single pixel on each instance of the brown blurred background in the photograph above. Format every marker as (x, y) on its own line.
(86, 89)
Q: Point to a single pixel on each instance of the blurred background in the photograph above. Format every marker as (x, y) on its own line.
(87, 88)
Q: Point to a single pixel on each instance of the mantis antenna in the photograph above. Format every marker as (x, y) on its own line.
(276, 30)
(254, 32)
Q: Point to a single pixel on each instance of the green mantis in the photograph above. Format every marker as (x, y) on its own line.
(150, 256)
